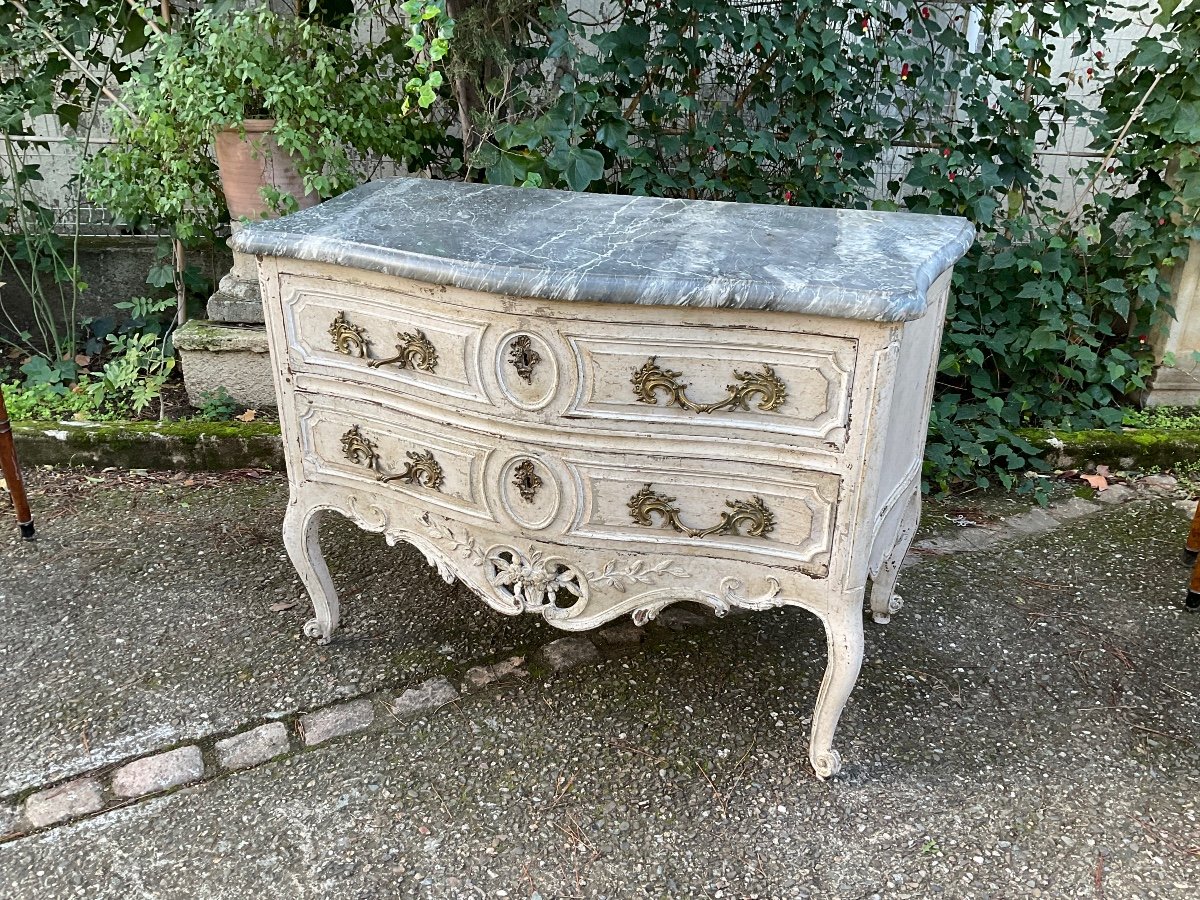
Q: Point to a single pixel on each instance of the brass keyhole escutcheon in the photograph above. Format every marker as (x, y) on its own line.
(523, 358)
(526, 481)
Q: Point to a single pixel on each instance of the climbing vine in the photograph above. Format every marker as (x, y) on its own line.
(928, 107)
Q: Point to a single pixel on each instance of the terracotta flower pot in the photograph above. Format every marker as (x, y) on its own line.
(251, 161)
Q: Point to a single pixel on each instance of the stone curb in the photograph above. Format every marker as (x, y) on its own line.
(177, 446)
(220, 446)
(88, 794)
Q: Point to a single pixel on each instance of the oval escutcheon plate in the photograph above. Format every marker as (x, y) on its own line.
(529, 492)
(526, 370)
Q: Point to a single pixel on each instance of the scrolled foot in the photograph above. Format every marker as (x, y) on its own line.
(894, 605)
(312, 629)
(826, 764)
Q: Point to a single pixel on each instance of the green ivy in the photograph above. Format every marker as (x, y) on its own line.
(331, 96)
(866, 103)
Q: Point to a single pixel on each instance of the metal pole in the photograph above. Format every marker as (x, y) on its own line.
(12, 474)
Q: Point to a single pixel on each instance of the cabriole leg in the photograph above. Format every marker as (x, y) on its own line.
(844, 638)
(302, 539)
(885, 602)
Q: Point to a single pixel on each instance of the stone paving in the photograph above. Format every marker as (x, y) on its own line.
(1028, 726)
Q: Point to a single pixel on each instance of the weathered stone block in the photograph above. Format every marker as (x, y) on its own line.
(67, 801)
(233, 357)
(346, 718)
(431, 694)
(158, 773)
(621, 634)
(9, 816)
(480, 676)
(680, 618)
(253, 747)
(570, 652)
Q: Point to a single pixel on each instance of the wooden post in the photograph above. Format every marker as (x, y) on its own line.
(12, 474)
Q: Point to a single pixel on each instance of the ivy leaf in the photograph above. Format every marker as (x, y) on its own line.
(582, 168)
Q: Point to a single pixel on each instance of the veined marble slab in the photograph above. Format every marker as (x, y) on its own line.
(558, 245)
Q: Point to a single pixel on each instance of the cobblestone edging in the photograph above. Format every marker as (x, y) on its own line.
(155, 774)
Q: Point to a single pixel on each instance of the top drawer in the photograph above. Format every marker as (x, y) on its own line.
(724, 382)
(395, 340)
(615, 370)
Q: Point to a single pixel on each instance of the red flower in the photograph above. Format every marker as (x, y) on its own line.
(1090, 71)
(787, 196)
(866, 23)
(924, 12)
(904, 71)
(1099, 54)
(946, 153)
(951, 176)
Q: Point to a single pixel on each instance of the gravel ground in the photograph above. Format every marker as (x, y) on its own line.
(1028, 726)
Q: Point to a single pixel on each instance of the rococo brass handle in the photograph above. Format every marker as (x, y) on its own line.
(752, 513)
(347, 338)
(421, 469)
(651, 378)
(413, 350)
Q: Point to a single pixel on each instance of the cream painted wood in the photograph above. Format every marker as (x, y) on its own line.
(532, 508)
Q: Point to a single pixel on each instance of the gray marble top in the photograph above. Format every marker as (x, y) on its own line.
(558, 245)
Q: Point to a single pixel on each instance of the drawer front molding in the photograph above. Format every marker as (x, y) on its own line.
(400, 344)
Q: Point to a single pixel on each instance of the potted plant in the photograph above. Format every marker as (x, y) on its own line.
(288, 101)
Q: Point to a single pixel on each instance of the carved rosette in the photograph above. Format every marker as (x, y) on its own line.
(533, 582)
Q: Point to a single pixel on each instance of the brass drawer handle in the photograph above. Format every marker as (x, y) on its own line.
(421, 470)
(651, 378)
(759, 520)
(347, 338)
(413, 350)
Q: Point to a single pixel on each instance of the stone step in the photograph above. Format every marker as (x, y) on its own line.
(215, 355)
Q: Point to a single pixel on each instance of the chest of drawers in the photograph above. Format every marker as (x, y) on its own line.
(591, 406)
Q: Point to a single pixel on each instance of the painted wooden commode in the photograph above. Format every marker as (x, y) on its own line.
(585, 406)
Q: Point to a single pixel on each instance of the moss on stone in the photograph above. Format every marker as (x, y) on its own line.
(189, 446)
(1130, 448)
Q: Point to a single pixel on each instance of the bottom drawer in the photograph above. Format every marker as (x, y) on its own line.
(713, 507)
(722, 508)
